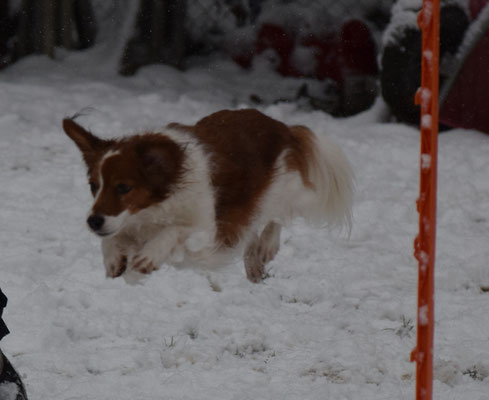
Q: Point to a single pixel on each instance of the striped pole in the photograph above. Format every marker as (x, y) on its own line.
(424, 245)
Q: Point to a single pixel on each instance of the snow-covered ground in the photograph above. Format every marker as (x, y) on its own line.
(335, 319)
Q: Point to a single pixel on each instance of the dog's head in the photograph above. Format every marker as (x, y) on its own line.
(126, 175)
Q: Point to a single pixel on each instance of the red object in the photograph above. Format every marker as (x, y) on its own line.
(358, 48)
(277, 38)
(424, 245)
(327, 54)
(476, 6)
(337, 54)
(467, 102)
(351, 51)
(244, 58)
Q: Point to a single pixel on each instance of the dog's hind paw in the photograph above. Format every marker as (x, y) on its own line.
(260, 251)
(254, 266)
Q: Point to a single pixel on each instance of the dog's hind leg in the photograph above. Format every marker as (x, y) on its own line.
(261, 250)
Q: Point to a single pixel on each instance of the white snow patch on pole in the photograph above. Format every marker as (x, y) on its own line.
(423, 315)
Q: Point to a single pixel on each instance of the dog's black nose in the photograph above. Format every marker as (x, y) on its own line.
(95, 222)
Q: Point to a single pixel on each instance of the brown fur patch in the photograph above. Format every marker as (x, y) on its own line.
(244, 146)
(301, 150)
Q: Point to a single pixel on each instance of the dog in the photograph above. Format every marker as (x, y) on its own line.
(199, 193)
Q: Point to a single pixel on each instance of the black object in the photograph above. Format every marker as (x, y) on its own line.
(3, 303)
(10, 382)
(159, 36)
(401, 61)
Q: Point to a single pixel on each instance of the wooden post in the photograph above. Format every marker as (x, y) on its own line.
(178, 11)
(159, 20)
(424, 245)
(27, 20)
(85, 23)
(47, 37)
(66, 26)
(4, 29)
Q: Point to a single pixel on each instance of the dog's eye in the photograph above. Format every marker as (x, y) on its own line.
(122, 188)
(93, 188)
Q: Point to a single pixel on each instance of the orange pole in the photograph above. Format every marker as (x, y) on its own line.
(424, 245)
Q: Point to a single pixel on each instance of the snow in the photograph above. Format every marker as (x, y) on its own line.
(425, 96)
(426, 158)
(428, 55)
(8, 391)
(426, 124)
(332, 321)
(424, 259)
(404, 15)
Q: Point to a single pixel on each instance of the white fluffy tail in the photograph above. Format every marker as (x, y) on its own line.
(332, 180)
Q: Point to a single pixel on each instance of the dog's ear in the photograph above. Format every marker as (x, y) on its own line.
(89, 144)
(86, 141)
(162, 163)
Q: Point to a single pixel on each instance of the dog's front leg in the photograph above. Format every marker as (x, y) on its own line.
(165, 246)
(115, 256)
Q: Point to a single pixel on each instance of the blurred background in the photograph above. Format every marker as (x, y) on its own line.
(337, 55)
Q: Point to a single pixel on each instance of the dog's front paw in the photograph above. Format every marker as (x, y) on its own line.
(116, 266)
(143, 264)
(115, 259)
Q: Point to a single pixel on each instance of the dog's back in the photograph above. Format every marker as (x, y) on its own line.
(262, 170)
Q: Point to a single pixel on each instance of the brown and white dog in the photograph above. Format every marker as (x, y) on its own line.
(194, 193)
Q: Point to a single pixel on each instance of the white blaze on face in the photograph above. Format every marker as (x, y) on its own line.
(107, 155)
(112, 224)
